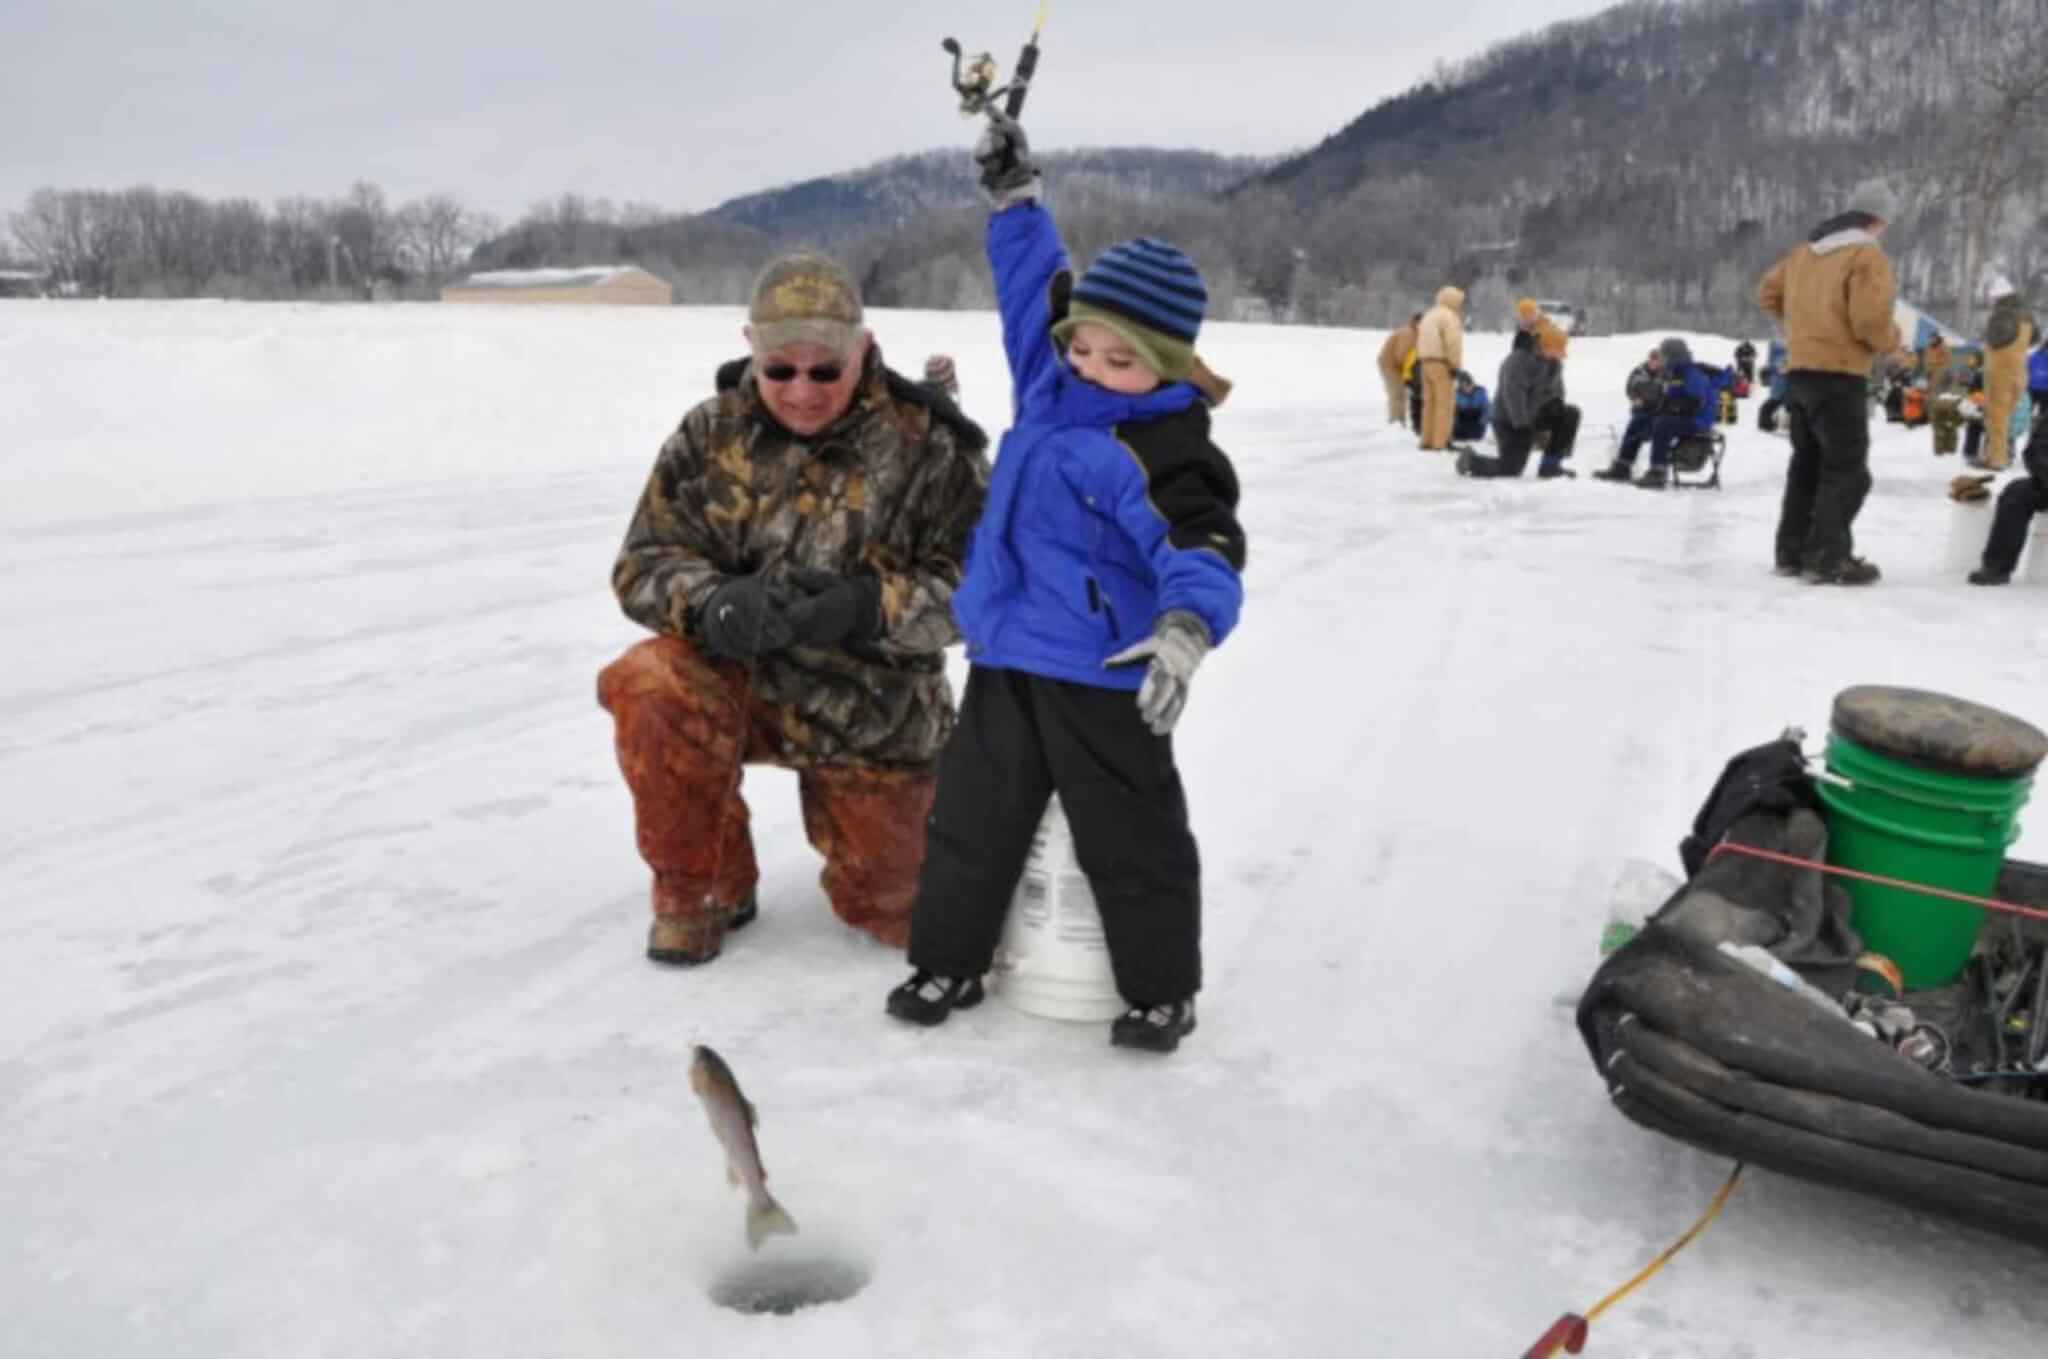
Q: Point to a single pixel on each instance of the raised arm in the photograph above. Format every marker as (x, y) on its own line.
(1024, 250)
(1025, 255)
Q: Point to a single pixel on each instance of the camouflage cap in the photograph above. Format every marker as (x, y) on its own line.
(805, 297)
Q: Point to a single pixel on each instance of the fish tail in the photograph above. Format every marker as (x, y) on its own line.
(767, 1218)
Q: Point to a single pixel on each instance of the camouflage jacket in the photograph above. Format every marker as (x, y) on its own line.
(893, 488)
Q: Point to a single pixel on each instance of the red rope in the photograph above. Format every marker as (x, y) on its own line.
(1794, 861)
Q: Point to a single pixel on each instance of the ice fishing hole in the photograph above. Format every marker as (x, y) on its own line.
(779, 1286)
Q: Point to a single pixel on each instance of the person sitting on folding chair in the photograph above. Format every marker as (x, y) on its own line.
(1685, 409)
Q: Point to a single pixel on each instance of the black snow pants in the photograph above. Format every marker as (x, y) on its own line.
(2018, 503)
(1020, 739)
(1829, 474)
(2022, 499)
(1562, 420)
(1513, 447)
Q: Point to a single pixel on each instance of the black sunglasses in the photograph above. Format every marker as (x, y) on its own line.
(823, 374)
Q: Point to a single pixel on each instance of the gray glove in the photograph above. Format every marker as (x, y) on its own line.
(1008, 175)
(1177, 645)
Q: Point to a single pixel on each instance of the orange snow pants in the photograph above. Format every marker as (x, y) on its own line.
(679, 728)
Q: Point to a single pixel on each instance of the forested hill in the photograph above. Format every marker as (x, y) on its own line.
(1645, 164)
(899, 192)
(910, 226)
(1654, 157)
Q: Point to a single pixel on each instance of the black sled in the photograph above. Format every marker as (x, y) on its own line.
(1701, 1047)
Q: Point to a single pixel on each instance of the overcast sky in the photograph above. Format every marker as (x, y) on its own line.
(678, 103)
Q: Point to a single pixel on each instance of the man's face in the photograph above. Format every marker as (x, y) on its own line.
(806, 386)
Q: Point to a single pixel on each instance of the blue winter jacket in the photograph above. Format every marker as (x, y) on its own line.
(1104, 511)
(2037, 370)
(1689, 392)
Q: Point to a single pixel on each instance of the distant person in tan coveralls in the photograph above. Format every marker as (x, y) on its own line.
(1393, 369)
(1440, 348)
(2008, 334)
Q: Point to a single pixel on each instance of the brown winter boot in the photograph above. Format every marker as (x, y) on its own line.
(687, 940)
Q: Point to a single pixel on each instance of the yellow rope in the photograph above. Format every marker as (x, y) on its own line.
(1713, 1211)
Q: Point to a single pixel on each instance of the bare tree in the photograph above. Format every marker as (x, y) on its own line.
(44, 231)
(79, 237)
(366, 238)
(437, 234)
(2004, 145)
(298, 242)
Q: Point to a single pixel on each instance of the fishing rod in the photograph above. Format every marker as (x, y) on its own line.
(975, 80)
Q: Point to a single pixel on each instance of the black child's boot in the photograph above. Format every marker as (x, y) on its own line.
(928, 998)
(1154, 1028)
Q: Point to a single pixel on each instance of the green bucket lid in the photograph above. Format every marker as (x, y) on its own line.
(1937, 732)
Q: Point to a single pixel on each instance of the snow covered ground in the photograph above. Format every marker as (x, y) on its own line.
(326, 1030)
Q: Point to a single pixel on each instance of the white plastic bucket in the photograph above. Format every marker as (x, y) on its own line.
(1052, 960)
(1969, 524)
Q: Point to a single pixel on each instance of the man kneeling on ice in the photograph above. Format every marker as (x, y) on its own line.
(795, 550)
(1104, 571)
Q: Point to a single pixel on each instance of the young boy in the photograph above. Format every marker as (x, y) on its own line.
(1104, 568)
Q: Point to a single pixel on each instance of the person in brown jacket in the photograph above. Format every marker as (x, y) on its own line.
(795, 553)
(2009, 333)
(1393, 364)
(1833, 295)
(1440, 353)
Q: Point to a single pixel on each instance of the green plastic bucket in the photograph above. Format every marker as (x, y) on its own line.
(1918, 825)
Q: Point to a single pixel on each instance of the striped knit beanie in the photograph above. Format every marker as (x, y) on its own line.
(1151, 295)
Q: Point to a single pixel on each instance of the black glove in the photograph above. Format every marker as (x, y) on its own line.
(745, 618)
(1008, 174)
(835, 609)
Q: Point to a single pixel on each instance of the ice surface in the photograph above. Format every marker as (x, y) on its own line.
(326, 1030)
